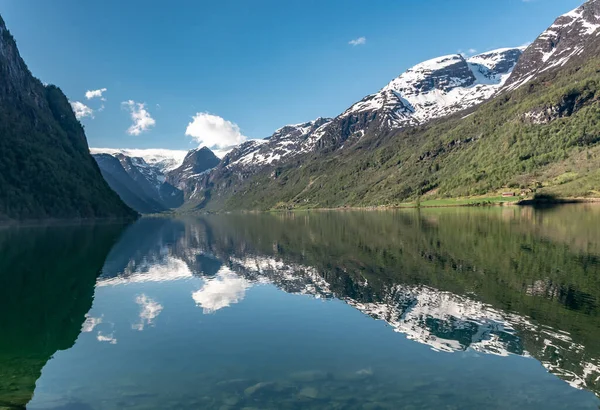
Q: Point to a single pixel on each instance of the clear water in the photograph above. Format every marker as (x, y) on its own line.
(445, 309)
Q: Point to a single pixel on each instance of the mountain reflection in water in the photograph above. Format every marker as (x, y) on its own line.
(498, 283)
(515, 281)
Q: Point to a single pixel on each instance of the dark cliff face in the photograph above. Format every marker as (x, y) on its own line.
(46, 170)
(125, 186)
(499, 61)
(196, 162)
(573, 36)
(448, 76)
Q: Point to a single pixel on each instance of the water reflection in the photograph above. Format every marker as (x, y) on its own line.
(186, 295)
(516, 281)
(47, 277)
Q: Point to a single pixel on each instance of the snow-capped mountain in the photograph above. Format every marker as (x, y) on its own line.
(285, 143)
(574, 34)
(152, 180)
(195, 163)
(163, 159)
(141, 185)
(429, 90)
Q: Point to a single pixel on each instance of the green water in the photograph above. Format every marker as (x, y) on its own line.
(444, 309)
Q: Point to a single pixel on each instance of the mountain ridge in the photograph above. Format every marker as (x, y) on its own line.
(360, 163)
(46, 170)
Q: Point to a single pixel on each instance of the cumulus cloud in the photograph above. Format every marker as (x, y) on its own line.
(214, 131)
(95, 94)
(142, 120)
(81, 110)
(225, 289)
(358, 41)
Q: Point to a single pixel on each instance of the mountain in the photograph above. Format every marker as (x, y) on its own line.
(130, 191)
(164, 160)
(570, 37)
(152, 181)
(46, 170)
(448, 127)
(196, 162)
(429, 90)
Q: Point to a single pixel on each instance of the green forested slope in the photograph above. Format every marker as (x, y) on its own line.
(46, 170)
(543, 136)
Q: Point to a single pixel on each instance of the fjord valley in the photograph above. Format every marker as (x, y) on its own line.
(328, 265)
(521, 120)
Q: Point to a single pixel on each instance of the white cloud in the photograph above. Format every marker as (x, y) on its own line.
(95, 94)
(142, 120)
(225, 289)
(358, 41)
(149, 310)
(214, 131)
(81, 110)
(467, 53)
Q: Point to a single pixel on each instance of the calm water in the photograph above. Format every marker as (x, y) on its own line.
(444, 309)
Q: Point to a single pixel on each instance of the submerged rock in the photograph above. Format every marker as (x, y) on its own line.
(309, 392)
(252, 390)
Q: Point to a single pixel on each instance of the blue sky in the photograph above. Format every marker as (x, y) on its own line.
(253, 65)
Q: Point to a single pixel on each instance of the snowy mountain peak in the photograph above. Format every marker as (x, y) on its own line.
(564, 40)
(163, 159)
(500, 61)
(437, 87)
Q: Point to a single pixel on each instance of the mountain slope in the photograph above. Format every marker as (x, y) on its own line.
(46, 170)
(564, 40)
(543, 138)
(125, 186)
(195, 163)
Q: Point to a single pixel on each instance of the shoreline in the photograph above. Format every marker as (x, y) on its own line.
(475, 203)
(50, 222)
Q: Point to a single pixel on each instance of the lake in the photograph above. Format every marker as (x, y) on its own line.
(458, 308)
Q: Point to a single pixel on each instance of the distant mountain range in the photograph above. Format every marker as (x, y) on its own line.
(450, 126)
(152, 181)
(514, 118)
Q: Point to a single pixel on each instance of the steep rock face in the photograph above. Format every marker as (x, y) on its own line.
(141, 185)
(573, 35)
(46, 170)
(125, 186)
(196, 162)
